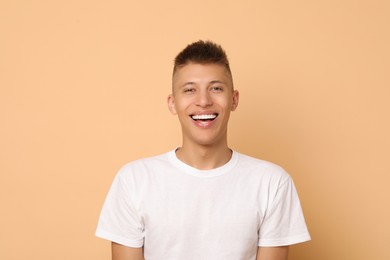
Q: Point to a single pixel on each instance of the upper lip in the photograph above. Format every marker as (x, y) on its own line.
(204, 113)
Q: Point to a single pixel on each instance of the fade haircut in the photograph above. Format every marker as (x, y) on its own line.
(202, 52)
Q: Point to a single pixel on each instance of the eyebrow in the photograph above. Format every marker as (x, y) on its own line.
(187, 83)
(217, 81)
(210, 83)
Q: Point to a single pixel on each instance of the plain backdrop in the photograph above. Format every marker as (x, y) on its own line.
(83, 87)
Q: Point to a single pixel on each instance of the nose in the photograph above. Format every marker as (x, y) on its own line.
(204, 99)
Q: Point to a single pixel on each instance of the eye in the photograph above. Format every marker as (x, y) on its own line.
(189, 90)
(216, 88)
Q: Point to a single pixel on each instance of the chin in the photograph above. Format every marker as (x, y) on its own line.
(211, 141)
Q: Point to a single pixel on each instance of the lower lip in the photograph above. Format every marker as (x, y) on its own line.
(204, 124)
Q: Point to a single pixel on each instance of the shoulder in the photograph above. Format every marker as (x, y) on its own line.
(144, 166)
(261, 168)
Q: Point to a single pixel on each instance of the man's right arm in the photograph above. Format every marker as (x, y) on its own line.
(120, 252)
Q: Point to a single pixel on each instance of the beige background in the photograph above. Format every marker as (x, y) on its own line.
(83, 86)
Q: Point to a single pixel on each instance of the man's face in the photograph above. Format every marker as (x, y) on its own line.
(203, 97)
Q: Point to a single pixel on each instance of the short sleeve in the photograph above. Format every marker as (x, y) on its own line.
(283, 223)
(119, 221)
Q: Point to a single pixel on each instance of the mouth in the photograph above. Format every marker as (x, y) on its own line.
(204, 117)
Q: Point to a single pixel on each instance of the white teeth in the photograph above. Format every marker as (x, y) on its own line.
(203, 117)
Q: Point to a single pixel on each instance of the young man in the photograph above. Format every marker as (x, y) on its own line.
(202, 201)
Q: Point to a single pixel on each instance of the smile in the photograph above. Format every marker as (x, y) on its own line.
(204, 117)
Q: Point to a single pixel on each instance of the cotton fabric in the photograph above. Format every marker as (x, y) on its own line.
(176, 211)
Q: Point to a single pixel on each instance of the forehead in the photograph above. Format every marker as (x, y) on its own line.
(200, 74)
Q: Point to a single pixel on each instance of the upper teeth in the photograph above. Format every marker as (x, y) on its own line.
(203, 117)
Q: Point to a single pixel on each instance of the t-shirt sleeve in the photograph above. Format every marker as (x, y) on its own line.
(283, 223)
(119, 221)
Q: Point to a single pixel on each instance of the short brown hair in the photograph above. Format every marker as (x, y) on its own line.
(202, 52)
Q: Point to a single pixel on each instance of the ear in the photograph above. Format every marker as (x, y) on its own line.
(236, 98)
(171, 104)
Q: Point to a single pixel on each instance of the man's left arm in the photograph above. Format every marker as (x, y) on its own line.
(272, 253)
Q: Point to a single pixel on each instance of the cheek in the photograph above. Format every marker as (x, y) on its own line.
(180, 108)
(182, 105)
(225, 103)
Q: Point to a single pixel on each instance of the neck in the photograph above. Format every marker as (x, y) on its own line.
(204, 157)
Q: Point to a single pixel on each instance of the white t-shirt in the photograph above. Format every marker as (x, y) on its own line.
(178, 212)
